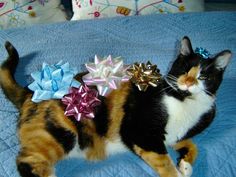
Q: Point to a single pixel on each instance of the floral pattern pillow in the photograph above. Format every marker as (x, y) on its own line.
(87, 9)
(17, 13)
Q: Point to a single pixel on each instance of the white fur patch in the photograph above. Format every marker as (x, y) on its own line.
(183, 115)
(114, 147)
(185, 168)
(53, 175)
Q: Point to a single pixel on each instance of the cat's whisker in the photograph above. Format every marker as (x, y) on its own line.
(172, 77)
(209, 93)
(173, 81)
(165, 89)
(171, 84)
(206, 91)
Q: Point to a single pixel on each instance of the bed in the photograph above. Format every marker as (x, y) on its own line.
(137, 38)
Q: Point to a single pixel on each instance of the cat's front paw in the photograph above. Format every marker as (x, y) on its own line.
(185, 168)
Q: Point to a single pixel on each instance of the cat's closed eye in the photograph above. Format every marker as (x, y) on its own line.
(202, 77)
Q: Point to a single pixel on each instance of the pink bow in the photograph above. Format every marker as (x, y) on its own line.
(81, 102)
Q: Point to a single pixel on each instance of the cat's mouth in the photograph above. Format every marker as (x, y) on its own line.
(194, 89)
(189, 81)
(192, 85)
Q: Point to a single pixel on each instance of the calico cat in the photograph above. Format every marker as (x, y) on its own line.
(180, 107)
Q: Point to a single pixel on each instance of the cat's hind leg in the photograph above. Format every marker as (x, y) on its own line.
(187, 150)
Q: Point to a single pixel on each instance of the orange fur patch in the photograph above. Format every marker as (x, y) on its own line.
(189, 78)
(161, 163)
(13, 91)
(115, 103)
(96, 151)
(192, 150)
(5, 77)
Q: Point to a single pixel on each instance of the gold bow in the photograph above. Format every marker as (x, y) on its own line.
(144, 75)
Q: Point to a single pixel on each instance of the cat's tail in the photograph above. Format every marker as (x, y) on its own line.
(13, 91)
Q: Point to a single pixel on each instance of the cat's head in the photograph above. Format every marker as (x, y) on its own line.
(191, 73)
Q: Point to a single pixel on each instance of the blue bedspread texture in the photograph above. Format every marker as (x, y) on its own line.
(154, 38)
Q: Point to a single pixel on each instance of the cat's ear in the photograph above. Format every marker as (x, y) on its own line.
(222, 59)
(186, 46)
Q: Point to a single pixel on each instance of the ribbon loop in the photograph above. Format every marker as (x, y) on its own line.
(106, 74)
(202, 52)
(53, 81)
(144, 75)
(81, 102)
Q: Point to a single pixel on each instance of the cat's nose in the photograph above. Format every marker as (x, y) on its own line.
(189, 81)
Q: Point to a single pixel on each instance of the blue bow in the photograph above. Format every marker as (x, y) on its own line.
(203, 52)
(53, 81)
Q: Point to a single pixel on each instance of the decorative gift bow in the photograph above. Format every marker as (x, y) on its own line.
(203, 52)
(81, 102)
(106, 74)
(144, 75)
(57, 81)
(53, 81)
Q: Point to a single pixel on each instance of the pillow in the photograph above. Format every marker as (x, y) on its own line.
(17, 13)
(87, 9)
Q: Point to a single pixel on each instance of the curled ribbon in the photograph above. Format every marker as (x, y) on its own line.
(81, 102)
(106, 74)
(53, 81)
(144, 75)
(202, 52)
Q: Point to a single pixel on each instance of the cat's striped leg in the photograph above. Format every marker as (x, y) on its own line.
(187, 150)
(34, 168)
(161, 163)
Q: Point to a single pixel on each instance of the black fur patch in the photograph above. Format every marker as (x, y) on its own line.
(25, 170)
(85, 140)
(63, 136)
(145, 120)
(214, 76)
(12, 61)
(182, 152)
(101, 118)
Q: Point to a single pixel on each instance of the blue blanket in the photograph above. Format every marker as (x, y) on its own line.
(153, 38)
